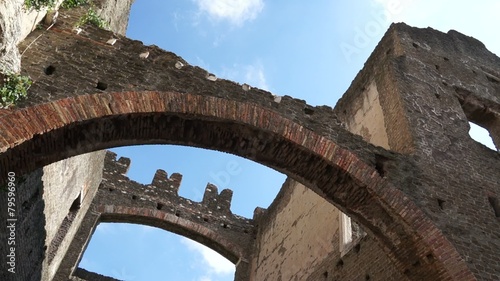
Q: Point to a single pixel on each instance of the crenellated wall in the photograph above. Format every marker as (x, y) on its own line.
(158, 204)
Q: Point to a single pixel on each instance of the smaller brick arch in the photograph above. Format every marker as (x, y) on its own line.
(158, 204)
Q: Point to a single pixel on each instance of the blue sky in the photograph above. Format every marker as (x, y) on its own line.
(309, 51)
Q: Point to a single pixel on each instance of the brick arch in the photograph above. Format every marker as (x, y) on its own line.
(178, 225)
(158, 204)
(337, 165)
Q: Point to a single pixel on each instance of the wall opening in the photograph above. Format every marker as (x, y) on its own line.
(495, 204)
(350, 234)
(481, 135)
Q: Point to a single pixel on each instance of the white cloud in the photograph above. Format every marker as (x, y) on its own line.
(234, 11)
(217, 264)
(252, 74)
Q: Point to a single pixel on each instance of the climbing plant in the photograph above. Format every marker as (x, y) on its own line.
(67, 4)
(13, 87)
(39, 4)
(93, 18)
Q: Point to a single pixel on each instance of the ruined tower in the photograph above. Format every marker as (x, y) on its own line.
(385, 186)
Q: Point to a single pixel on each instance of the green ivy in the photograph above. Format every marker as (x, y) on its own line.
(39, 4)
(67, 4)
(93, 18)
(13, 88)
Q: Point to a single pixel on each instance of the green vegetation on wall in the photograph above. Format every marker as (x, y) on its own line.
(93, 18)
(13, 88)
(67, 4)
(39, 4)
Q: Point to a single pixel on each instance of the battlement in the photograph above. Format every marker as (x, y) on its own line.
(163, 194)
(120, 199)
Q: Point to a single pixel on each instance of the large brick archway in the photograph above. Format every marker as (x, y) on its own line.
(89, 95)
(340, 167)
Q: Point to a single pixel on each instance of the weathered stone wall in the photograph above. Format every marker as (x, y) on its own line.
(364, 116)
(365, 261)
(29, 229)
(53, 200)
(115, 13)
(44, 199)
(69, 188)
(298, 239)
(16, 22)
(298, 231)
(430, 85)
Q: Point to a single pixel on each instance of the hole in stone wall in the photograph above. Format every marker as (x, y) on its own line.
(357, 248)
(159, 206)
(440, 203)
(340, 263)
(134, 197)
(446, 59)
(430, 257)
(481, 135)
(438, 96)
(417, 263)
(495, 205)
(224, 225)
(49, 70)
(436, 66)
(380, 163)
(205, 219)
(177, 214)
(75, 206)
(388, 51)
(101, 85)
(110, 189)
(308, 111)
(415, 45)
(367, 277)
(325, 274)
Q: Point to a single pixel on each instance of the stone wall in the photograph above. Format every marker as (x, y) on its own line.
(69, 188)
(430, 85)
(52, 200)
(16, 22)
(45, 200)
(298, 239)
(298, 231)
